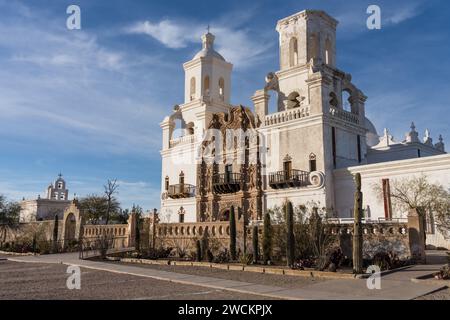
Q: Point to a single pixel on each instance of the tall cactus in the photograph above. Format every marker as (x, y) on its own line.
(290, 240)
(232, 233)
(55, 234)
(199, 250)
(357, 229)
(255, 244)
(267, 239)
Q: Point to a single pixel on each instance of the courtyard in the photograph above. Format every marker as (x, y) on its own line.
(44, 278)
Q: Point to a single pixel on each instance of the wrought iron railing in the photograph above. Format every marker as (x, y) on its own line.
(182, 190)
(288, 179)
(227, 182)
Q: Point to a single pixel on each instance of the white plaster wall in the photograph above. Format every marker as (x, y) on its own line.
(400, 152)
(436, 168)
(298, 196)
(171, 207)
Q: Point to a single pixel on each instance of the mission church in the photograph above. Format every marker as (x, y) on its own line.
(306, 151)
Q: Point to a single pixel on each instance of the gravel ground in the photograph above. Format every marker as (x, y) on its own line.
(438, 295)
(244, 276)
(48, 281)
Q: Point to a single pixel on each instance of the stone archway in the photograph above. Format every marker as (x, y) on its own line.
(224, 215)
(70, 227)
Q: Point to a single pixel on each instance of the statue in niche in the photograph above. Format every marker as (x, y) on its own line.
(251, 176)
(209, 174)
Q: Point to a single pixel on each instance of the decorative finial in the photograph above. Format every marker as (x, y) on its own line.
(60, 174)
(413, 126)
(440, 138)
(386, 132)
(427, 139)
(207, 28)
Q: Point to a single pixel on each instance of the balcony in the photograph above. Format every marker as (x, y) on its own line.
(177, 191)
(227, 183)
(344, 115)
(289, 179)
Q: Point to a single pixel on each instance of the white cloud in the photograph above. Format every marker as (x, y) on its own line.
(401, 14)
(169, 33)
(238, 46)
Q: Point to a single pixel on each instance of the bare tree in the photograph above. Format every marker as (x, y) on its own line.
(110, 189)
(9, 217)
(418, 193)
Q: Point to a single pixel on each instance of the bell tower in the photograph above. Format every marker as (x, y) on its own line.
(208, 75)
(308, 36)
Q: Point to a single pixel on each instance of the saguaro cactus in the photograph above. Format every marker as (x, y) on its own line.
(290, 240)
(199, 250)
(137, 235)
(55, 234)
(357, 228)
(255, 244)
(267, 239)
(232, 233)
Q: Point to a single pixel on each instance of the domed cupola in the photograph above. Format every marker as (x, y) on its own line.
(208, 48)
(208, 75)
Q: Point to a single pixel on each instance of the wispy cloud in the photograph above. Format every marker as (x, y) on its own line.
(238, 45)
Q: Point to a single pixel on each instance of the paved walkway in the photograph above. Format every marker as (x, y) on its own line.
(394, 286)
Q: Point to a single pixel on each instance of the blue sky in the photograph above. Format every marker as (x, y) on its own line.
(89, 102)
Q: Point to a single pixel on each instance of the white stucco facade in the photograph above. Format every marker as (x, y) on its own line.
(314, 141)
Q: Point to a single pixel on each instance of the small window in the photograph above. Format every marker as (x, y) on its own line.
(206, 86)
(328, 57)
(312, 162)
(192, 88)
(228, 171)
(293, 52)
(60, 185)
(181, 177)
(287, 168)
(167, 183)
(222, 88)
(62, 197)
(358, 146)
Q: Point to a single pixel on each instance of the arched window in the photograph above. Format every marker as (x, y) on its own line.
(313, 47)
(166, 183)
(293, 52)
(206, 86)
(312, 162)
(192, 91)
(334, 102)
(222, 88)
(273, 102)
(328, 54)
(347, 100)
(181, 177)
(190, 128)
(287, 167)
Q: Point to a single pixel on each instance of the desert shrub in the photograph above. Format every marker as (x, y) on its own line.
(312, 242)
(443, 273)
(158, 253)
(245, 258)
(222, 257)
(388, 260)
(209, 256)
(382, 260)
